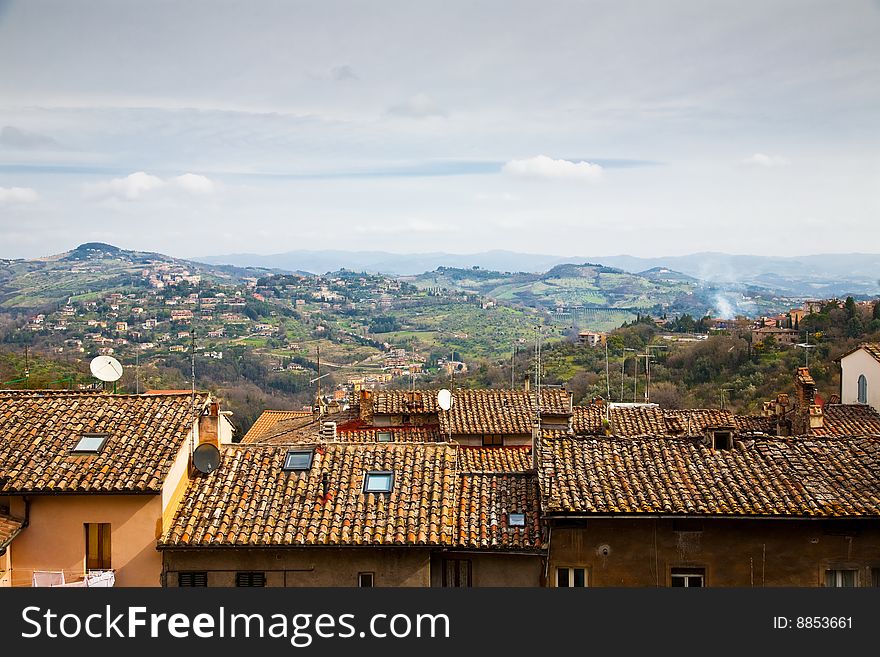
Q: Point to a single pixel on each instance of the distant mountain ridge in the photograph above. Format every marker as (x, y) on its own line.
(822, 275)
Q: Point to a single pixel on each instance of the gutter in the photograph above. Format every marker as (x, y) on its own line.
(24, 525)
(696, 516)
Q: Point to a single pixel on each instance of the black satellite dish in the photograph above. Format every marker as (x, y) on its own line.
(206, 458)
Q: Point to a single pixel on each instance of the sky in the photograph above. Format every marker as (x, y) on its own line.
(568, 128)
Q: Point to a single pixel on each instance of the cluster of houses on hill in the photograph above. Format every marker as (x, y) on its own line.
(397, 488)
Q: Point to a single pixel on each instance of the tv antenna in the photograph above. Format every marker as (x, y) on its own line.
(806, 346)
(106, 369)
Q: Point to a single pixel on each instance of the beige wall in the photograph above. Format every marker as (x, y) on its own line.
(55, 538)
(733, 552)
(490, 569)
(305, 566)
(859, 362)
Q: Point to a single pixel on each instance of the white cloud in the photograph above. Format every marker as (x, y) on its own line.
(420, 106)
(412, 225)
(762, 160)
(194, 184)
(343, 73)
(18, 195)
(140, 184)
(542, 167)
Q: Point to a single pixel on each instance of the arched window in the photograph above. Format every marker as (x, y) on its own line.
(863, 389)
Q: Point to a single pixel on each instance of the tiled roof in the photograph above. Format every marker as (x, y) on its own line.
(407, 434)
(873, 349)
(9, 527)
(587, 420)
(697, 420)
(848, 420)
(250, 501)
(405, 402)
(37, 432)
(439, 498)
(478, 412)
(269, 419)
(485, 502)
(768, 477)
(495, 459)
(638, 420)
(755, 423)
(302, 429)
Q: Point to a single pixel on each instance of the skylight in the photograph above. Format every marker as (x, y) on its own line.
(298, 459)
(378, 482)
(384, 437)
(517, 519)
(90, 443)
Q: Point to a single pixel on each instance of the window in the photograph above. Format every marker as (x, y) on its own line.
(863, 389)
(97, 546)
(90, 443)
(250, 579)
(688, 577)
(722, 440)
(841, 577)
(493, 441)
(365, 580)
(516, 519)
(568, 577)
(298, 459)
(456, 572)
(188, 579)
(384, 437)
(378, 482)
(875, 577)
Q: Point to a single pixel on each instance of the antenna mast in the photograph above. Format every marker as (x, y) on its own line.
(192, 399)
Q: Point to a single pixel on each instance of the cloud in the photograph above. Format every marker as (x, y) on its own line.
(343, 73)
(18, 195)
(412, 225)
(140, 184)
(12, 137)
(542, 167)
(762, 160)
(194, 184)
(420, 106)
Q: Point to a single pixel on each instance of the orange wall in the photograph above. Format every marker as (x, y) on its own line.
(55, 538)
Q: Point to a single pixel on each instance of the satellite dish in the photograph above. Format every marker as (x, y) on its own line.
(106, 368)
(444, 399)
(206, 458)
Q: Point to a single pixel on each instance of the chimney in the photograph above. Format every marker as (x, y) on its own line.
(365, 411)
(805, 388)
(328, 431)
(817, 417)
(209, 425)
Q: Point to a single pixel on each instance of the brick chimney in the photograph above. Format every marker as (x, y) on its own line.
(365, 410)
(209, 425)
(805, 389)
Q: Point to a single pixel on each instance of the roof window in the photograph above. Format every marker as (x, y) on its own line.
(378, 482)
(516, 519)
(384, 437)
(90, 443)
(298, 459)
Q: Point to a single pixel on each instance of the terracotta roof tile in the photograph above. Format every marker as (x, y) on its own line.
(267, 420)
(38, 431)
(587, 420)
(251, 501)
(696, 420)
(495, 459)
(405, 402)
(756, 424)
(634, 421)
(485, 503)
(477, 412)
(848, 420)
(407, 434)
(873, 349)
(768, 477)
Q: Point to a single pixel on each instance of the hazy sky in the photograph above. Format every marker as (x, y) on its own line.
(590, 128)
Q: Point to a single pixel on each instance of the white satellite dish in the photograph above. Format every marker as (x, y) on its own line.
(444, 399)
(106, 368)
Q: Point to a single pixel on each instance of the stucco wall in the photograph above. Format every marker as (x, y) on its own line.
(55, 538)
(304, 566)
(641, 552)
(859, 362)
